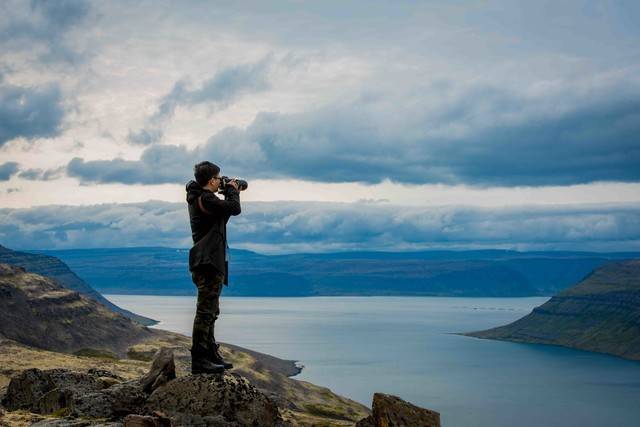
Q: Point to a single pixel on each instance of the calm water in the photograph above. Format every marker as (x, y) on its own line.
(404, 346)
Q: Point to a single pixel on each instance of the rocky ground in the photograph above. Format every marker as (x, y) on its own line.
(66, 360)
(98, 397)
(299, 402)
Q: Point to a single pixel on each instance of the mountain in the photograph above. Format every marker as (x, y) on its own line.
(495, 273)
(39, 312)
(52, 267)
(600, 314)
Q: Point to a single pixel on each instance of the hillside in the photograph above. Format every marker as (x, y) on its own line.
(495, 273)
(600, 314)
(43, 324)
(39, 312)
(52, 267)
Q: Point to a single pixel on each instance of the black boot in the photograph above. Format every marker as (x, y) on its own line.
(216, 358)
(202, 365)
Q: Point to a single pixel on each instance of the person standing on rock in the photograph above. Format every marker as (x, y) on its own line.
(208, 259)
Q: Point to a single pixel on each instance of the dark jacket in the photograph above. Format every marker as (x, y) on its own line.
(209, 226)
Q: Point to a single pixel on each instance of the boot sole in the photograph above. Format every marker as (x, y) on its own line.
(217, 371)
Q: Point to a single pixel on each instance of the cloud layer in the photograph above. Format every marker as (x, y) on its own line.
(29, 113)
(481, 136)
(274, 227)
(42, 24)
(223, 88)
(7, 170)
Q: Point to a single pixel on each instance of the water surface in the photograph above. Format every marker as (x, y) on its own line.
(406, 346)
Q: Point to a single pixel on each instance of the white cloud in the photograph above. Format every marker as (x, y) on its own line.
(278, 227)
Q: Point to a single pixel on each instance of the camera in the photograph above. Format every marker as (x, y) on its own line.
(225, 180)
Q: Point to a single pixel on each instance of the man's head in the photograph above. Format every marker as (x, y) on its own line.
(207, 175)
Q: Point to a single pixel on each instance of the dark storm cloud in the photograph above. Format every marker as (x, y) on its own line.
(483, 136)
(7, 170)
(295, 226)
(159, 164)
(29, 113)
(222, 89)
(42, 22)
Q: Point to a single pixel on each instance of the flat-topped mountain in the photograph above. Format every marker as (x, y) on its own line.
(482, 273)
(601, 314)
(52, 267)
(37, 311)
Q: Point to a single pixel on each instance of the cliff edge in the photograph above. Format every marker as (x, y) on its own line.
(601, 314)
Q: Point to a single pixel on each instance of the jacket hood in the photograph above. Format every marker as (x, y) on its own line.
(194, 190)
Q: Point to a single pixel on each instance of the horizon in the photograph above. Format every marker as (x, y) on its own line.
(353, 251)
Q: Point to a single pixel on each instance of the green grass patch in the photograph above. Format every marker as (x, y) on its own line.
(327, 411)
(144, 356)
(96, 353)
(61, 413)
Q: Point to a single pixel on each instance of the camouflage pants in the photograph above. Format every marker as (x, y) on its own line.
(209, 283)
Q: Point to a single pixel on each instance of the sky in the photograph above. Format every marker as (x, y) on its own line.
(358, 125)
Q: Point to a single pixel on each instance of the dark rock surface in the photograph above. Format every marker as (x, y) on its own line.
(155, 420)
(52, 267)
(391, 411)
(157, 399)
(163, 370)
(45, 392)
(190, 400)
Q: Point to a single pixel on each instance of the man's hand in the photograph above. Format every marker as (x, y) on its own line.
(233, 183)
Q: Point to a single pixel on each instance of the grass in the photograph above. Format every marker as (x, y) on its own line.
(96, 353)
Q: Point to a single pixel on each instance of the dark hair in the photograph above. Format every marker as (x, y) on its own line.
(204, 171)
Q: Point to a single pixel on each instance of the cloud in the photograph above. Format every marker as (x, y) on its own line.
(7, 170)
(477, 135)
(218, 92)
(45, 23)
(277, 227)
(159, 164)
(42, 174)
(29, 112)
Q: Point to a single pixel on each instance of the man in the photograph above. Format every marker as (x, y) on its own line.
(208, 259)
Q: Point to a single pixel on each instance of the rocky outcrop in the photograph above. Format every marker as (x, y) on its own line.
(211, 399)
(163, 370)
(155, 399)
(57, 270)
(38, 312)
(601, 314)
(391, 411)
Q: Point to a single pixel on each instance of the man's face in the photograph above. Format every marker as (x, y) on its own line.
(214, 183)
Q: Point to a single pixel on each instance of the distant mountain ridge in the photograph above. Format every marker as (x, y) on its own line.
(486, 273)
(600, 314)
(50, 266)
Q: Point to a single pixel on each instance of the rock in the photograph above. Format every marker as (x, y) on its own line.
(70, 422)
(215, 400)
(104, 373)
(26, 389)
(163, 370)
(112, 403)
(108, 381)
(85, 398)
(45, 392)
(391, 411)
(156, 420)
(63, 423)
